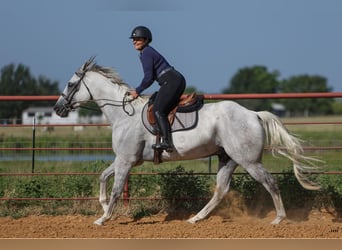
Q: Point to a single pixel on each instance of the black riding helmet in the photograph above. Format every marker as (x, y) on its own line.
(141, 32)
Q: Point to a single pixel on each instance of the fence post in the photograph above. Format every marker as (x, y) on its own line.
(33, 142)
(126, 192)
(209, 165)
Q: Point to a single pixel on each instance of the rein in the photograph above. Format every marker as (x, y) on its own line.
(113, 103)
(70, 106)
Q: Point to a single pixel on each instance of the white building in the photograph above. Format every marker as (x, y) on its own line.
(46, 115)
(278, 109)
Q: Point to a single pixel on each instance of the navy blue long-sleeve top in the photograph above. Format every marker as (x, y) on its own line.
(153, 64)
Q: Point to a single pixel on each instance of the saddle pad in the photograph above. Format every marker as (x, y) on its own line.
(183, 121)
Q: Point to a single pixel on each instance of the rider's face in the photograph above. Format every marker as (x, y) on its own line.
(139, 43)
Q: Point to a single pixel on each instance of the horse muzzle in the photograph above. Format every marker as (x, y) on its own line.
(62, 107)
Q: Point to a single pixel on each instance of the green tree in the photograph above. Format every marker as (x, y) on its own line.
(256, 79)
(90, 109)
(337, 107)
(17, 80)
(307, 106)
(191, 89)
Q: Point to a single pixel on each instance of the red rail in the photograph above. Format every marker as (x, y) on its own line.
(206, 96)
(57, 125)
(273, 95)
(126, 200)
(29, 98)
(54, 149)
(92, 148)
(107, 124)
(148, 173)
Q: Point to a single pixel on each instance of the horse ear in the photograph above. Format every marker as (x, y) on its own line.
(89, 62)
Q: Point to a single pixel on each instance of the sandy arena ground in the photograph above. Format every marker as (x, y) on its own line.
(316, 224)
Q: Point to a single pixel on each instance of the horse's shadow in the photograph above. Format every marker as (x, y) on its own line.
(150, 219)
(260, 206)
(263, 207)
(178, 215)
(234, 206)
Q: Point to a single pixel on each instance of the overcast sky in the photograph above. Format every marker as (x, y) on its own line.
(207, 40)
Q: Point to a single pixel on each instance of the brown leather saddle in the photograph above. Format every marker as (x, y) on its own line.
(188, 106)
(187, 103)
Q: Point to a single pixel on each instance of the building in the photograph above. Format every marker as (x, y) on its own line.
(46, 115)
(278, 109)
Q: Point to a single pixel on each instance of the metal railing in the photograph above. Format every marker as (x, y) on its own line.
(126, 196)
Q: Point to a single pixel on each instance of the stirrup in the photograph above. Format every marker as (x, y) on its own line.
(163, 146)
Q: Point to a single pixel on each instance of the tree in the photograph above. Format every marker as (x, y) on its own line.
(17, 80)
(254, 79)
(191, 89)
(303, 84)
(90, 109)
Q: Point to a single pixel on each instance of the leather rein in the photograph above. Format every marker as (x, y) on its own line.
(70, 105)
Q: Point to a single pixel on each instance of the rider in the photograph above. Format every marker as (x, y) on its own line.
(172, 83)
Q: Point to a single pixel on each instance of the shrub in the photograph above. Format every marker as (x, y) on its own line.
(144, 185)
(332, 192)
(292, 193)
(183, 190)
(246, 186)
(2, 185)
(77, 186)
(35, 187)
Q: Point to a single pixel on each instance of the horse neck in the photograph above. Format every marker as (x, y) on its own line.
(105, 93)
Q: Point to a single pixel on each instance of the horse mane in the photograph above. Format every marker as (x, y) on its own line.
(107, 72)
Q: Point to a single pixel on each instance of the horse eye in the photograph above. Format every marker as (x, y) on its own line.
(70, 84)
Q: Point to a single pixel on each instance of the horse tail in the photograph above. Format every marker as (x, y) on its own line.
(282, 142)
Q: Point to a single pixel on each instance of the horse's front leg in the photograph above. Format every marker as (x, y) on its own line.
(121, 170)
(108, 172)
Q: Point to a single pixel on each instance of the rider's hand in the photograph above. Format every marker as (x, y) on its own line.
(133, 93)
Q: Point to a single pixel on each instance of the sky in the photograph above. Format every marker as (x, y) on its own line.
(208, 41)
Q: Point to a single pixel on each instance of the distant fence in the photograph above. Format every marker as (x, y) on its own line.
(126, 196)
(206, 96)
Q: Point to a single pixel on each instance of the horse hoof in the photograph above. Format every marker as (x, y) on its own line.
(192, 220)
(98, 222)
(277, 220)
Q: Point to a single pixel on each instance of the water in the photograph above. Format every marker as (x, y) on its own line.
(59, 158)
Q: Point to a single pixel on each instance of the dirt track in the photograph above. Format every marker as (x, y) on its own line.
(314, 225)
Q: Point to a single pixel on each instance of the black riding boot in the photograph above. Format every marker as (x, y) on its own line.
(165, 130)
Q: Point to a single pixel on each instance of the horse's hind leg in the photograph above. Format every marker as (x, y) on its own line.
(224, 176)
(267, 180)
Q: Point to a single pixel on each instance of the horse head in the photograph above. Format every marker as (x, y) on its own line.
(75, 92)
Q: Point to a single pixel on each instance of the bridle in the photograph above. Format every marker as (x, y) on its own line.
(75, 88)
(69, 105)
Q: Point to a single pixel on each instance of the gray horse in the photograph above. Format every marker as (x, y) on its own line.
(226, 129)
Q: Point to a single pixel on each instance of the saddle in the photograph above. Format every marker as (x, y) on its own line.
(185, 113)
(187, 103)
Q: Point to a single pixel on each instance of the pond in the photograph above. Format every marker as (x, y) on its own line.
(58, 158)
